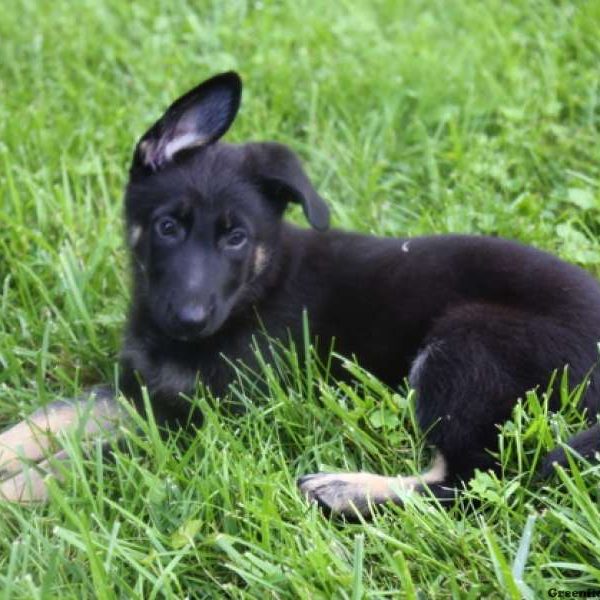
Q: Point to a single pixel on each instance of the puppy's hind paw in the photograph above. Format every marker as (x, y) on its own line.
(347, 494)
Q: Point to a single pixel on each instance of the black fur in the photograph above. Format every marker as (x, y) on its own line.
(474, 321)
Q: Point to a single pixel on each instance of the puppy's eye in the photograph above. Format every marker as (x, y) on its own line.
(168, 228)
(235, 238)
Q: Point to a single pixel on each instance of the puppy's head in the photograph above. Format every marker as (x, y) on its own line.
(204, 217)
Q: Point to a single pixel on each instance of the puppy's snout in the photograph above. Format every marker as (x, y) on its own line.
(195, 316)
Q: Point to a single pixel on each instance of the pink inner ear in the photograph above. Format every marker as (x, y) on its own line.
(185, 134)
(151, 157)
(198, 118)
(188, 140)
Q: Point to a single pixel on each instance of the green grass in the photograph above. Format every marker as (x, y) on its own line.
(412, 117)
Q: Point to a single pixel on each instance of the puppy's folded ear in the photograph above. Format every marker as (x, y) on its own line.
(278, 171)
(198, 118)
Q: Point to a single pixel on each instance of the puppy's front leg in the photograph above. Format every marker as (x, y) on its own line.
(29, 484)
(24, 445)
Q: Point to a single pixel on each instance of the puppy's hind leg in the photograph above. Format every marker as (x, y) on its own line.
(349, 494)
(460, 396)
(30, 450)
(477, 363)
(468, 376)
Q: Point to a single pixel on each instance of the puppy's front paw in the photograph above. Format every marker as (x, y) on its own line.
(348, 494)
(29, 485)
(28, 450)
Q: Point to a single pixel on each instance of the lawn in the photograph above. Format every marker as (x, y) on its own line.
(412, 117)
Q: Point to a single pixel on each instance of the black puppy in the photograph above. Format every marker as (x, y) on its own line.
(473, 322)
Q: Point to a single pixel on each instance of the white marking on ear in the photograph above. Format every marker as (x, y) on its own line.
(405, 246)
(156, 153)
(135, 233)
(148, 150)
(181, 142)
(145, 147)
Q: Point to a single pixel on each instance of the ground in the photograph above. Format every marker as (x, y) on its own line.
(412, 117)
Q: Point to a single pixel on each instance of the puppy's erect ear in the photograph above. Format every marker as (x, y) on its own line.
(279, 172)
(198, 118)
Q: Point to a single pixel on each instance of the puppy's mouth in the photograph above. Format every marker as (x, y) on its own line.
(190, 336)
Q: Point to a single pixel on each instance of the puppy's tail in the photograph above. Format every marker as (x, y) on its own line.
(585, 444)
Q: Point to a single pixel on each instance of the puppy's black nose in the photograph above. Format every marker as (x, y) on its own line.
(193, 317)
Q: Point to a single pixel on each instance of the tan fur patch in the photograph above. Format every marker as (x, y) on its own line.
(260, 259)
(345, 493)
(29, 485)
(436, 474)
(32, 439)
(135, 234)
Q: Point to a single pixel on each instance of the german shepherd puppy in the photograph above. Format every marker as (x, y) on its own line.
(473, 322)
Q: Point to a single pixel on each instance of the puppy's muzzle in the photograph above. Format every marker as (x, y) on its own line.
(194, 318)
